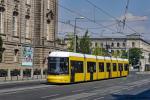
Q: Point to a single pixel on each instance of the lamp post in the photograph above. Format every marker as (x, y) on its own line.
(75, 39)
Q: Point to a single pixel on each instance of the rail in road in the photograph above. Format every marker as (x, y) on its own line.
(97, 90)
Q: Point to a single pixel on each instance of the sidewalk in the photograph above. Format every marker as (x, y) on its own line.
(145, 72)
(4, 80)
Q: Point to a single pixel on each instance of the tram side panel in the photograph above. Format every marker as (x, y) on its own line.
(90, 69)
(101, 69)
(126, 69)
(77, 69)
(114, 69)
(108, 69)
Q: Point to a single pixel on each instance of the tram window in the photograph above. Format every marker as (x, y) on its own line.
(91, 66)
(120, 65)
(126, 67)
(78, 66)
(58, 65)
(114, 67)
(108, 67)
(101, 67)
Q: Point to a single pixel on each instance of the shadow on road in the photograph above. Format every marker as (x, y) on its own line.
(141, 96)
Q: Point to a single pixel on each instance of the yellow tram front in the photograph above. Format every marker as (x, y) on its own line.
(58, 69)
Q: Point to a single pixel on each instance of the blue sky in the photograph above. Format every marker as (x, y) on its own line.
(137, 15)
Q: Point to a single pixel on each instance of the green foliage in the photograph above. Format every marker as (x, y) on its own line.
(70, 38)
(15, 72)
(3, 72)
(124, 54)
(85, 44)
(116, 54)
(99, 51)
(134, 55)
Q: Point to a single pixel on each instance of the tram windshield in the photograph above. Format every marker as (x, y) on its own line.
(57, 65)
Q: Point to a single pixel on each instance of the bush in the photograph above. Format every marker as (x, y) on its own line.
(45, 71)
(37, 72)
(15, 72)
(27, 72)
(3, 72)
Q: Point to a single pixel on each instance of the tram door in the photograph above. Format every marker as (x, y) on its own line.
(120, 69)
(91, 69)
(109, 69)
(72, 72)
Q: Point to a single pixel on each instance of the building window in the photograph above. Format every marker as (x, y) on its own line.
(114, 67)
(102, 45)
(15, 25)
(48, 32)
(27, 31)
(78, 66)
(118, 44)
(28, 2)
(91, 67)
(133, 44)
(96, 44)
(16, 55)
(124, 44)
(48, 4)
(1, 23)
(101, 67)
(112, 44)
(108, 65)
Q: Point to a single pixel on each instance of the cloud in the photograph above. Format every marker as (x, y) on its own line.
(131, 17)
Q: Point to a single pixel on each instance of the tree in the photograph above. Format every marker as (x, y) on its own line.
(124, 54)
(96, 50)
(85, 44)
(70, 39)
(1, 49)
(134, 56)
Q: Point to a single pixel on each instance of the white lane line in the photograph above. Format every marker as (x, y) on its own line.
(99, 98)
(16, 90)
(75, 96)
(78, 90)
(49, 96)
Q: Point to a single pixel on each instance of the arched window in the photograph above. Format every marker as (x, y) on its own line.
(102, 45)
(118, 44)
(133, 44)
(124, 44)
(112, 44)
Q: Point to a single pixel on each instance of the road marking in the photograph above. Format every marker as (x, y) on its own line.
(98, 98)
(16, 90)
(44, 97)
(75, 96)
(78, 90)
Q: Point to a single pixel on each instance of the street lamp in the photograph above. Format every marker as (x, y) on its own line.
(75, 39)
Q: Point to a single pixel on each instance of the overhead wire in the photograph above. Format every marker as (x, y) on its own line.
(108, 14)
(86, 18)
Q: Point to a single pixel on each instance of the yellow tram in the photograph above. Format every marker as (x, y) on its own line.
(69, 67)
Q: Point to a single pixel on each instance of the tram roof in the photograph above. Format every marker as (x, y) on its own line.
(68, 54)
(64, 54)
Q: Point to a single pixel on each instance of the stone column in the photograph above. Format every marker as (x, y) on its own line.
(21, 73)
(9, 74)
(41, 73)
(32, 72)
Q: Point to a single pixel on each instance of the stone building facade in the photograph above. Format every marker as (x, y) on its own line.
(28, 23)
(125, 43)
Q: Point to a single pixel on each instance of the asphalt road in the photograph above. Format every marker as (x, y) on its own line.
(133, 87)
